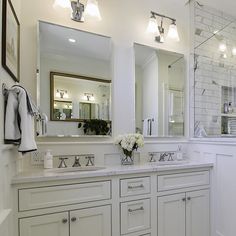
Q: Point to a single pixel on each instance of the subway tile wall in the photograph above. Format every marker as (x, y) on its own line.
(213, 68)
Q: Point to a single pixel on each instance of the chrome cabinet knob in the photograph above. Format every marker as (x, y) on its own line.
(64, 221)
(189, 198)
(184, 199)
(73, 219)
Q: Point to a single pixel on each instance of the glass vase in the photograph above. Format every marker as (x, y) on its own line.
(127, 159)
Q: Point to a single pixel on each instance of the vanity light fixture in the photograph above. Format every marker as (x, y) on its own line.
(62, 94)
(89, 97)
(79, 10)
(159, 30)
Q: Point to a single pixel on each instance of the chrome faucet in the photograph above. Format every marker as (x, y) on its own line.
(77, 162)
(163, 155)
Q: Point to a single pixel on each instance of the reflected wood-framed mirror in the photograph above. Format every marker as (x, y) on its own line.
(76, 98)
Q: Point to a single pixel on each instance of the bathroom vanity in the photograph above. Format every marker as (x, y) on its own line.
(136, 200)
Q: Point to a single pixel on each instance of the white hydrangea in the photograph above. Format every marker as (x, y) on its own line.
(130, 142)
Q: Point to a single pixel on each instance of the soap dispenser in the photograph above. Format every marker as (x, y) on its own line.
(48, 160)
(179, 154)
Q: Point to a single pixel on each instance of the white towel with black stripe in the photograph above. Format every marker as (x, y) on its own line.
(19, 119)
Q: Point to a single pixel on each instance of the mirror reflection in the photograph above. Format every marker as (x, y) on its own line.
(159, 92)
(74, 88)
(78, 98)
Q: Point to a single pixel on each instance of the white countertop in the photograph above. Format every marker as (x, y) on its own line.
(45, 175)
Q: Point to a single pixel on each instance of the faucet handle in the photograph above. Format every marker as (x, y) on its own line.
(63, 162)
(90, 159)
(152, 156)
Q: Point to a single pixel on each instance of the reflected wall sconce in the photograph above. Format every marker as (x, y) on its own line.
(79, 10)
(60, 93)
(159, 31)
(89, 97)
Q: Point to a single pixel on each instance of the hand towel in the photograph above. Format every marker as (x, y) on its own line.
(19, 120)
(146, 127)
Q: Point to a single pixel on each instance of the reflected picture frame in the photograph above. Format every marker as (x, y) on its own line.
(10, 40)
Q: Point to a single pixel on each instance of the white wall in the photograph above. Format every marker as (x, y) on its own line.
(8, 154)
(224, 184)
(124, 21)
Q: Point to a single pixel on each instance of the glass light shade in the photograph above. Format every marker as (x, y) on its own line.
(234, 51)
(222, 47)
(62, 3)
(162, 39)
(173, 32)
(92, 9)
(153, 26)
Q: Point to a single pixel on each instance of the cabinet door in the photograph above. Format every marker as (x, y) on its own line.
(198, 213)
(171, 215)
(46, 225)
(91, 222)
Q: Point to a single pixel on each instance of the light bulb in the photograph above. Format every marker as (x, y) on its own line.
(66, 96)
(222, 47)
(153, 26)
(234, 51)
(92, 9)
(173, 32)
(58, 95)
(62, 3)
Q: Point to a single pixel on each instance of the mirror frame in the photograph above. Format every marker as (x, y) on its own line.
(52, 74)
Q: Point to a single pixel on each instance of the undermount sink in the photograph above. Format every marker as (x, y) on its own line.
(77, 169)
(169, 163)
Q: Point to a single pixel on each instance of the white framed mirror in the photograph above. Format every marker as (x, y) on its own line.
(74, 82)
(160, 78)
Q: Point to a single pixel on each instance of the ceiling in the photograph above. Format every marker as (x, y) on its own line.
(54, 39)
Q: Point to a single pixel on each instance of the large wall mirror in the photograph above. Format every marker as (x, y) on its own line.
(75, 81)
(160, 78)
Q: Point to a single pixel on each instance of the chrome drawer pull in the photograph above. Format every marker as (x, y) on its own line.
(134, 210)
(135, 187)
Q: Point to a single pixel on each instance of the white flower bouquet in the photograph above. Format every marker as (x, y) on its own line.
(129, 143)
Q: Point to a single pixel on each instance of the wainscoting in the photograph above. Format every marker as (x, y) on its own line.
(224, 184)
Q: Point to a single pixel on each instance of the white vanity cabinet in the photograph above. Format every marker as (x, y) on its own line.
(91, 221)
(186, 213)
(166, 203)
(46, 225)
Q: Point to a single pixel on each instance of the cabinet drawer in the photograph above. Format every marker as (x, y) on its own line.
(134, 186)
(37, 198)
(183, 180)
(135, 216)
